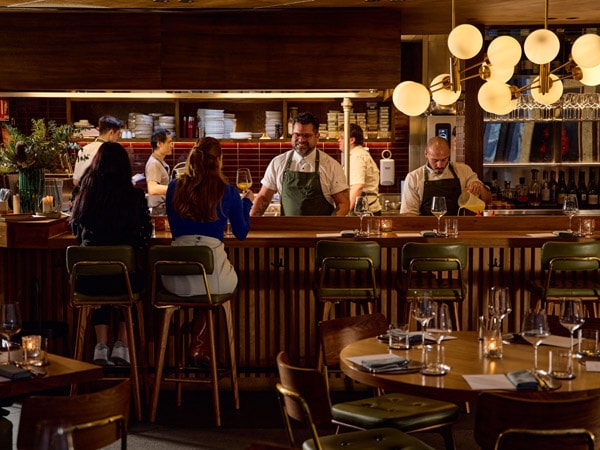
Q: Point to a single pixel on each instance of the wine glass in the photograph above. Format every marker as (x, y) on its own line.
(422, 311)
(361, 209)
(571, 317)
(499, 305)
(243, 179)
(441, 326)
(534, 330)
(438, 209)
(570, 208)
(10, 323)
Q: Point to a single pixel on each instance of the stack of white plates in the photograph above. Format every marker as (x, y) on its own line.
(229, 124)
(240, 135)
(274, 124)
(141, 124)
(168, 123)
(214, 122)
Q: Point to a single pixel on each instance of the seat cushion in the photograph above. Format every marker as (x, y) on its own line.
(165, 298)
(381, 438)
(400, 411)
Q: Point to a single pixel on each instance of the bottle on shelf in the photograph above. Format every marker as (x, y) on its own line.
(561, 189)
(495, 187)
(592, 195)
(552, 187)
(545, 191)
(582, 191)
(535, 190)
(571, 184)
(522, 191)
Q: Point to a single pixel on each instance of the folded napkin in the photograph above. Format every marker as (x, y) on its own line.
(14, 372)
(386, 364)
(523, 380)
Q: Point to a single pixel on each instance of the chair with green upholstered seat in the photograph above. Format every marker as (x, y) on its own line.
(437, 268)
(190, 260)
(347, 272)
(109, 261)
(408, 413)
(570, 269)
(303, 397)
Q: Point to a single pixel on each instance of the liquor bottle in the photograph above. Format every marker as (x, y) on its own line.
(545, 193)
(535, 190)
(571, 184)
(495, 187)
(552, 186)
(522, 191)
(582, 191)
(592, 194)
(561, 189)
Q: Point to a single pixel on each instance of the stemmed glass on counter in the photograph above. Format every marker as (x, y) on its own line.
(571, 317)
(441, 326)
(10, 323)
(361, 209)
(438, 209)
(570, 208)
(422, 309)
(243, 179)
(534, 330)
(499, 305)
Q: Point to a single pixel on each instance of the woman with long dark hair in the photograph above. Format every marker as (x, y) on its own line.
(199, 204)
(109, 210)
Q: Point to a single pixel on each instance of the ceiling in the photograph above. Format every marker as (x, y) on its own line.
(418, 16)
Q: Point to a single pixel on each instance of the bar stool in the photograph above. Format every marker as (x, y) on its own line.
(570, 271)
(100, 261)
(438, 268)
(190, 260)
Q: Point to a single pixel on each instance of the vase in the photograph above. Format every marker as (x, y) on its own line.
(31, 189)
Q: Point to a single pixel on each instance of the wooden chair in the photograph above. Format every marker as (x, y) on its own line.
(346, 272)
(571, 269)
(552, 415)
(303, 397)
(94, 420)
(438, 268)
(407, 413)
(109, 260)
(190, 260)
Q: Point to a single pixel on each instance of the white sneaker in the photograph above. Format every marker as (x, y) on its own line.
(120, 354)
(101, 355)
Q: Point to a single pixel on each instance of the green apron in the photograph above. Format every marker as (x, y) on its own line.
(301, 193)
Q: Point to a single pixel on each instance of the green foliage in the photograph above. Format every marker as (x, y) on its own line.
(48, 147)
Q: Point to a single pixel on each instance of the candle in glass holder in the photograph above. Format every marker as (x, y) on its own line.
(386, 225)
(47, 203)
(492, 345)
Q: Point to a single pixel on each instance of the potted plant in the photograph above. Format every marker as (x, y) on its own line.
(49, 147)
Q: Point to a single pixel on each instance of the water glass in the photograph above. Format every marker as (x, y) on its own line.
(560, 364)
(399, 337)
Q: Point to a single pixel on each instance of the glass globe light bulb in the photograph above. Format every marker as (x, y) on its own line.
(411, 98)
(510, 106)
(590, 77)
(552, 96)
(443, 95)
(586, 51)
(541, 46)
(465, 41)
(494, 96)
(504, 51)
(500, 73)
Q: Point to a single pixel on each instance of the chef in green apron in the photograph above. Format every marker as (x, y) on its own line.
(308, 180)
(439, 177)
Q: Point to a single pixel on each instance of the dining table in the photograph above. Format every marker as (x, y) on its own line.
(59, 372)
(463, 353)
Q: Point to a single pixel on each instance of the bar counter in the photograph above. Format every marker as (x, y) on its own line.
(275, 308)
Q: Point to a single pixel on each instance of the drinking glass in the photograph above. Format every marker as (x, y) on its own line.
(534, 330)
(438, 209)
(441, 326)
(571, 317)
(570, 208)
(243, 179)
(499, 305)
(422, 309)
(10, 323)
(361, 209)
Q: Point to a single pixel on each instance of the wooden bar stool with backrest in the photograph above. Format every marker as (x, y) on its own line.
(545, 420)
(433, 267)
(190, 260)
(407, 413)
(109, 260)
(303, 397)
(570, 271)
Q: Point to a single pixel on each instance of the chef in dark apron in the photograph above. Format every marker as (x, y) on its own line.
(439, 178)
(298, 176)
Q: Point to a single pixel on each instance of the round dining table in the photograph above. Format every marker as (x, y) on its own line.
(464, 355)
